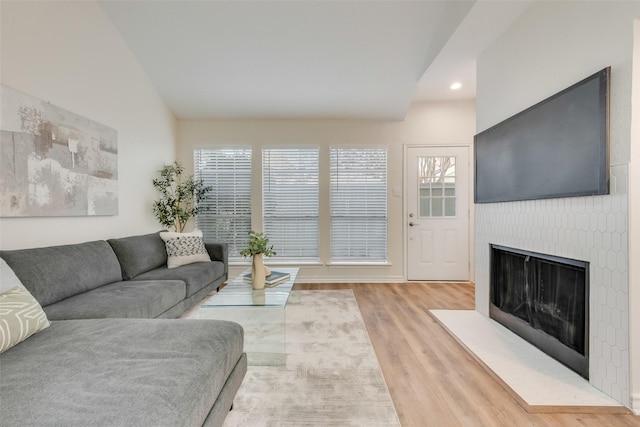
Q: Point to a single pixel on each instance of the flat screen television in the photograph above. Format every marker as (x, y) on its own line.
(556, 148)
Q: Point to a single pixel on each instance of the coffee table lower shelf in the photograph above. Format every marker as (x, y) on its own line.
(262, 314)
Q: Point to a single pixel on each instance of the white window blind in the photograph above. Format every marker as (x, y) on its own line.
(358, 205)
(228, 214)
(290, 201)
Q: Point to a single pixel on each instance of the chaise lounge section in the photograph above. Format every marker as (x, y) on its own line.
(123, 372)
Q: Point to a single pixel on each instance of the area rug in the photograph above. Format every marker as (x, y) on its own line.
(331, 376)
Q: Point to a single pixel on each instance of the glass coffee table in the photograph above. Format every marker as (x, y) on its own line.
(262, 314)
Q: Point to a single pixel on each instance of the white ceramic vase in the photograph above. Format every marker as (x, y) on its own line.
(257, 272)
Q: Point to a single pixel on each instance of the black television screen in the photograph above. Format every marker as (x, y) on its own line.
(556, 148)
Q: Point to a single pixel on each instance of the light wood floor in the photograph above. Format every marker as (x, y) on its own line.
(433, 381)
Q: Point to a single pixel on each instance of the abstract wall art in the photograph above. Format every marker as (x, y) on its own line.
(54, 162)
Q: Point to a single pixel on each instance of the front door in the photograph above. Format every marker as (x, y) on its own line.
(437, 213)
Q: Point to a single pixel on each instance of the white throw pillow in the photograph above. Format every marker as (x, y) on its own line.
(20, 317)
(184, 248)
(8, 279)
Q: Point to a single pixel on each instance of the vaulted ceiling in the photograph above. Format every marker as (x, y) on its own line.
(308, 59)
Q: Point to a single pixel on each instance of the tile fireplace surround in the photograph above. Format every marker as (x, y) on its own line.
(592, 229)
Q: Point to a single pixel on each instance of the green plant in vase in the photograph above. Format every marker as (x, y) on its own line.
(180, 197)
(257, 248)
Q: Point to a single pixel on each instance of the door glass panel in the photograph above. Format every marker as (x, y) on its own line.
(436, 206)
(437, 186)
(450, 207)
(425, 206)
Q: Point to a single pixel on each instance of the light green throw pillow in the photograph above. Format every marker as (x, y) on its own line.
(20, 317)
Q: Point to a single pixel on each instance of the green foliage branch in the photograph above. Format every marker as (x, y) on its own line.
(180, 197)
(258, 244)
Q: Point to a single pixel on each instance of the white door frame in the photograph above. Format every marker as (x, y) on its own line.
(405, 207)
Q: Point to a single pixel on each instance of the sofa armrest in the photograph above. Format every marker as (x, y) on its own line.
(219, 251)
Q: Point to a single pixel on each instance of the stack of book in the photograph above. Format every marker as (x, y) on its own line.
(273, 279)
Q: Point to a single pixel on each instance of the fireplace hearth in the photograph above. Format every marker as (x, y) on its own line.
(544, 299)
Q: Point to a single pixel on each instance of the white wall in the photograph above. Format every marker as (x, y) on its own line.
(68, 53)
(451, 123)
(634, 223)
(550, 47)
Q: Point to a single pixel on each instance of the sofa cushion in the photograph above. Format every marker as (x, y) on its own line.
(184, 248)
(196, 276)
(140, 299)
(119, 372)
(54, 273)
(138, 254)
(22, 317)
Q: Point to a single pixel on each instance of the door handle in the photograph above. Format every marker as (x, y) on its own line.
(411, 224)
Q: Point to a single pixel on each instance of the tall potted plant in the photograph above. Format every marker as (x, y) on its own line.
(258, 248)
(180, 197)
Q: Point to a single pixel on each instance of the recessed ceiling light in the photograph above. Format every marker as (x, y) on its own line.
(455, 86)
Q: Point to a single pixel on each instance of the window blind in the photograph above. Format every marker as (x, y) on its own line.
(358, 204)
(227, 216)
(290, 201)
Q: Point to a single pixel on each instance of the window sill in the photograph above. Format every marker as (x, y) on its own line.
(334, 264)
(271, 263)
(358, 264)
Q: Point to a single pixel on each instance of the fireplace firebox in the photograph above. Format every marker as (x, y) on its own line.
(544, 299)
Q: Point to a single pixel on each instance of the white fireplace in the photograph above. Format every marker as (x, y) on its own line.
(593, 229)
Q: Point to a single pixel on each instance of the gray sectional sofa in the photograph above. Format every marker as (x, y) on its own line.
(114, 353)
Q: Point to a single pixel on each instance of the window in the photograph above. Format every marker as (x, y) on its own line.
(359, 204)
(228, 214)
(437, 185)
(290, 201)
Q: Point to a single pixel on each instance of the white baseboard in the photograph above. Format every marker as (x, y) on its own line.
(635, 403)
(385, 279)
